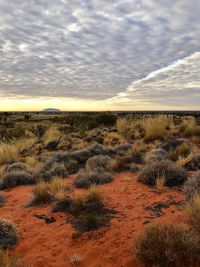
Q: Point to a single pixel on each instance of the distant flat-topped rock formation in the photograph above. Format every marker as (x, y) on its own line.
(51, 110)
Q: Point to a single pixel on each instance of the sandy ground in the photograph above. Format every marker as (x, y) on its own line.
(51, 245)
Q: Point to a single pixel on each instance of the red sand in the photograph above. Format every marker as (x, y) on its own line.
(51, 245)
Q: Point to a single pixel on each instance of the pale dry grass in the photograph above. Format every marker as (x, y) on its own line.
(130, 128)
(10, 151)
(158, 127)
(160, 183)
(192, 213)
(7, 260)
(113, 138)
(51, 134)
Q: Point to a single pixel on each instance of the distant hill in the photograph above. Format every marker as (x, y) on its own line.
(51, 110)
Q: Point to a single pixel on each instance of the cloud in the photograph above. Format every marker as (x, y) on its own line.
(94, 49)
(176, 84)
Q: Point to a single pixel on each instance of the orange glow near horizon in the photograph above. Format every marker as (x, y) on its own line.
(67, 104)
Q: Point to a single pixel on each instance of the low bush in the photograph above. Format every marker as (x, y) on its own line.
(14, 179)
(8, 234)
(98, 163)
(156, 155)
(166, 245)
(86, 179)
(17, 167)
(192, 186)
(72, 166)
(173, 174)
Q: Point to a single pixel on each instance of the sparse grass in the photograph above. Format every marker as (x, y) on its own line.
(8, 234)
(167, 245)
(6, 260)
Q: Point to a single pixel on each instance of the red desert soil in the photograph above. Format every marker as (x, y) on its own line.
(51, 245)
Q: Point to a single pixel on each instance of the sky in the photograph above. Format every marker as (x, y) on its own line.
(99, 54)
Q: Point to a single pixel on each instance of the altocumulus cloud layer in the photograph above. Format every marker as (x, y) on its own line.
(129, 51)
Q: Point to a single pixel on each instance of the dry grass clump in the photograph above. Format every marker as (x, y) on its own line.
(166, 245)
(138, 151)
(157, 128)
(10, 151)
(192, 186)
(118, 164)
(45, 192)
(131, 128)
(192, 213)
(90, 201)
(156, 155)
(7, 260)
(51, 134)
(8, 234)
(113, 138)
(98, 163)
(15, 178)
(86, 179)
(181, 151)
(189, 128)
(192, 162)
(87, 208)
(173, 174)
